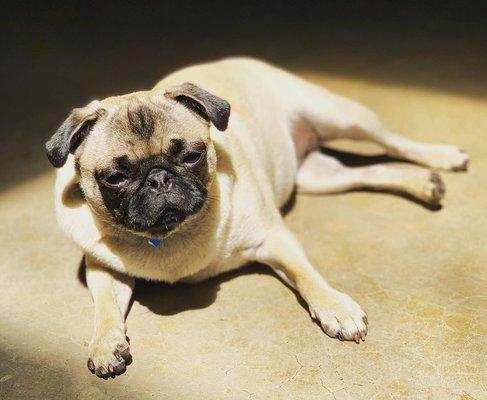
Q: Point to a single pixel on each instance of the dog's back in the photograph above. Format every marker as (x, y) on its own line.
(265, 102)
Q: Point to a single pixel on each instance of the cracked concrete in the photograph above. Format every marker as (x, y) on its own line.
(420, 274)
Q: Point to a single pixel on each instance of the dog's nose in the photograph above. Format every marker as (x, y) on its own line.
(158, 178)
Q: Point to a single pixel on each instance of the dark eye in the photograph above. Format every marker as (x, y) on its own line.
(117, 179)
(192, 157)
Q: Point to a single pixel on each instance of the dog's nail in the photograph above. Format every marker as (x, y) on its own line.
(119, 368)
(91, 365)
(117, 355)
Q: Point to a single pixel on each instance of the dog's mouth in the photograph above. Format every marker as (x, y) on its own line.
(168, 221)
(166, 226)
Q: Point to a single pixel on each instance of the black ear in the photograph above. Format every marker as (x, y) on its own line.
(203, 103)
(70, 134)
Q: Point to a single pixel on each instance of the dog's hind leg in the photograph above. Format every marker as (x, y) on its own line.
(320, 174)
(336, 117)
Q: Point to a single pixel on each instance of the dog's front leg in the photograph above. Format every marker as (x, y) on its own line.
(111, 292)
(339, 315)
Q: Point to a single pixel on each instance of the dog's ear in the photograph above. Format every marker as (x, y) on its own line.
(208, 106)
(71, 133)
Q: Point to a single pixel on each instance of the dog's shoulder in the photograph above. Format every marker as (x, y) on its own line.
(72, 211)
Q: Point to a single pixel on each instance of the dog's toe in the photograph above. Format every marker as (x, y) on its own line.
(435, 189)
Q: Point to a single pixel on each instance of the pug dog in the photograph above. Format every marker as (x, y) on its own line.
(186, 181)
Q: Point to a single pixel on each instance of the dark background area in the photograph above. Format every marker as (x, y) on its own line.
(58, 55)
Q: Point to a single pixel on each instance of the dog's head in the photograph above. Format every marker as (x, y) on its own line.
(145, 160)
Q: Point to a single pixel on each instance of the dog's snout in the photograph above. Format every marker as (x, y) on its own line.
(158, 178)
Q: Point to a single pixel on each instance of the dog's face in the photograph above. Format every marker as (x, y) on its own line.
(145, 160)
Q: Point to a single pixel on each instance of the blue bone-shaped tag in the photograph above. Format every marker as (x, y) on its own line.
(155, 242)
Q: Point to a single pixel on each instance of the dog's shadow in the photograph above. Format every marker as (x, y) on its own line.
(166, 299)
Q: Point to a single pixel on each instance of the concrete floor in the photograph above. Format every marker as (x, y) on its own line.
(420, 274)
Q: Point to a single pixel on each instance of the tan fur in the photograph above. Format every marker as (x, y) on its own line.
(253, 168)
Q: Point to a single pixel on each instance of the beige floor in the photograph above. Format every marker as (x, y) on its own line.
(420, 274)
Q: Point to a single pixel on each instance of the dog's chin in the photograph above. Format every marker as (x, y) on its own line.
(165, 229)
(156, 230)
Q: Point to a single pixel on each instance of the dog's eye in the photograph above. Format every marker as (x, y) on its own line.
(117, 179)
(192, 158)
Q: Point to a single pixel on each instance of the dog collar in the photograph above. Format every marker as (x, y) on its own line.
(155, 242)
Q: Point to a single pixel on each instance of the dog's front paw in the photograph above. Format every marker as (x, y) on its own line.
(340, 316)
(109, 354)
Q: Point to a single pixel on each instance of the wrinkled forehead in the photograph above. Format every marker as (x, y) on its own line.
(138, 131)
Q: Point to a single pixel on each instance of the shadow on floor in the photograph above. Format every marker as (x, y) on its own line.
(357, 160)
(166, 299)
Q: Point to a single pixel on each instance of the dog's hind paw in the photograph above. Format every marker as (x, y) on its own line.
(441, 156)
(434, 189)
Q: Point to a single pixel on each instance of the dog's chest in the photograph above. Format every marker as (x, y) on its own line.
(165, 262)
(190, 258)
